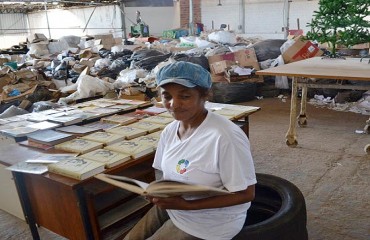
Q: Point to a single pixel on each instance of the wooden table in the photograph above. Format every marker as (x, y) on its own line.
(302, 72)
(69, 207)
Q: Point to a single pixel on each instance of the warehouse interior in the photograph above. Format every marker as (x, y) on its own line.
(309, 129)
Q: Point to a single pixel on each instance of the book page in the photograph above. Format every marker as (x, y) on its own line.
(165, 188)
(129, 184)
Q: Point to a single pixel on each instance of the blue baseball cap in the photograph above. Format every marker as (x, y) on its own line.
(184, 73)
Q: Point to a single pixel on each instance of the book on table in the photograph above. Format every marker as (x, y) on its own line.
(25, 167)
(77, 130)
(132, 148)
(119, 119)
(106, 138)
(158, 120)
(44, 125)
(150, 140)
(148, 126)
(36, 145)
(79, 145)
(108, 157)
(160, 188)
(127, 131)
(77, 168)
(66, 120)
(49, 137)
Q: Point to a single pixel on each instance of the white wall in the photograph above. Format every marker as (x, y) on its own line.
(13, 29)
(105, 19)
(263, 18)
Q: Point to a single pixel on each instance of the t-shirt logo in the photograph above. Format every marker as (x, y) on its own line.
(182, 165)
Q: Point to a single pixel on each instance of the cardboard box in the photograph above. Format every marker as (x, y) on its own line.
(107, 40)
(244, 58)
(301, 49)
(141, 97)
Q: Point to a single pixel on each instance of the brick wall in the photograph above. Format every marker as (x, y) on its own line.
(184, 12)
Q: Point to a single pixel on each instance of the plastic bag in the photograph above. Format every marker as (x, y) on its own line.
(87, 86)
(280, 81)
(223, 37)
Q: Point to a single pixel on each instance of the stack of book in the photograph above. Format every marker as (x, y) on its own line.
(77, 130)
(132, 148)
(106, 138)
(79, 145)
(108, 157)
(77, 168)
(46, 139)
(127, 132)
(147, 126)
(119, 119)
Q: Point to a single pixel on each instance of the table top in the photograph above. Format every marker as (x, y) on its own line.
(318, 67)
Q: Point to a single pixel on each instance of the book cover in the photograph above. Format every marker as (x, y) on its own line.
(49, 137)
(28, 143)
(123, 107)
(148, 126)
(44, 125)
(37, 117)
(34, 168)
(78, 130)
(131, 147)
(101, 125)
(79, 145)
(66, 120)
(127, 131)
(106, 138)
(51, 158)
(153, 110)
(77, 168)
(18, 131)
(158, 120)
(165, 114)
(160, 188)
(108, 157)
(147, 140)
(119, 119)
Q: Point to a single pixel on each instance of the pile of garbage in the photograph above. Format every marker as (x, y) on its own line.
(71, 68)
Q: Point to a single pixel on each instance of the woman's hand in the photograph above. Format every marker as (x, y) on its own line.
(177, 203)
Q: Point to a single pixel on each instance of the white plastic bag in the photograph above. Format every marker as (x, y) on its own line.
(281, 82)
(223, 37)
(86, 86)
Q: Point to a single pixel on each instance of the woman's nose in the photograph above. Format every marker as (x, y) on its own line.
(174, 103)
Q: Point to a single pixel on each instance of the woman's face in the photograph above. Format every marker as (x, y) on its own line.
(182, 103)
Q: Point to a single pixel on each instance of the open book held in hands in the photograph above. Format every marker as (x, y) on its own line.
(160, 188)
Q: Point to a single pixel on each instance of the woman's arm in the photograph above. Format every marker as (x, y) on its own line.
(220, 201)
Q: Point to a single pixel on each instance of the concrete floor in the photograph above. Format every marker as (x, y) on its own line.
(329, 166)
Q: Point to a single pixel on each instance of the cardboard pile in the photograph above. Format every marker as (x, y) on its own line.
(219, 65)
(301, 49)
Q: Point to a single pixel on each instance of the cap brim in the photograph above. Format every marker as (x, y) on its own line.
(180, 81)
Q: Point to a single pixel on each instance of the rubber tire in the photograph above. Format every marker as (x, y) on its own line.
(278, 211)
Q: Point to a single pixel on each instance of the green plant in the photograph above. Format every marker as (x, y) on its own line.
(340, 22)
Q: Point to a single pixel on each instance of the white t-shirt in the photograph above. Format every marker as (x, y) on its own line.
(217, 154)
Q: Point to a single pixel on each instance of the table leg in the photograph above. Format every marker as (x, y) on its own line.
(302, 118)
(291, 139)
(26, 204)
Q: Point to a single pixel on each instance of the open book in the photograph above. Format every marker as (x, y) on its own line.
(160, 188)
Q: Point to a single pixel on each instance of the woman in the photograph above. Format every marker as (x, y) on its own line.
(200, 147)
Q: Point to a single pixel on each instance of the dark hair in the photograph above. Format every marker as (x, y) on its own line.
(204, 92)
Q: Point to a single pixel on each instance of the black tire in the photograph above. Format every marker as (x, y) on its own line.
(278, 212)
